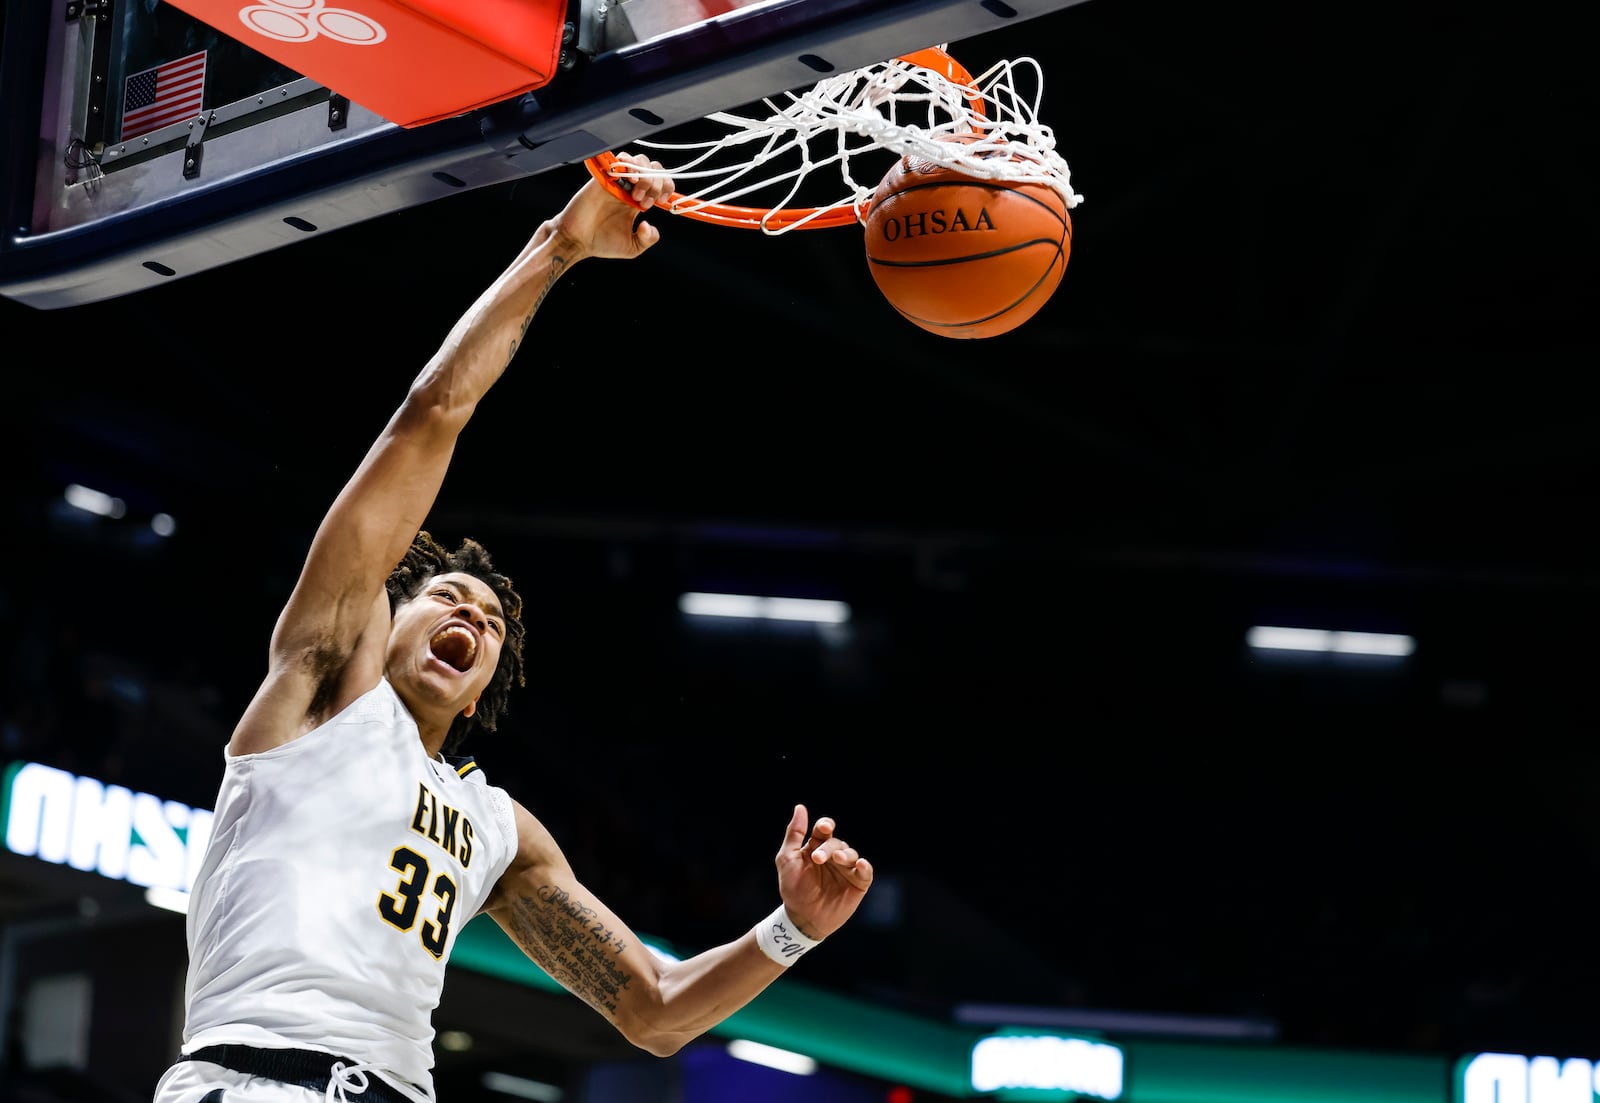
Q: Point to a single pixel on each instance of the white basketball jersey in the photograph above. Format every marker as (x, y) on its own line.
(340, 868)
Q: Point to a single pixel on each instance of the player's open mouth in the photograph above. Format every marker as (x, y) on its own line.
(455, 644)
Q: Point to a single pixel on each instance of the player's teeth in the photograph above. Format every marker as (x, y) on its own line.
(470, 641)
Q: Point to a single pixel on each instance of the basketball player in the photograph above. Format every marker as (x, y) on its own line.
(347, 851)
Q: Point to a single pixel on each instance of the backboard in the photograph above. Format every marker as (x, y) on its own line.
(143, 144)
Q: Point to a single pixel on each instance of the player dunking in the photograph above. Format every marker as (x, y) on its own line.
(347, 851)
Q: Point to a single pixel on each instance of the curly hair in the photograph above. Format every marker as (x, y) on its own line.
(427, 558)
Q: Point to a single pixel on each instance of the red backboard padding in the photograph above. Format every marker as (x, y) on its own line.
(408, 61)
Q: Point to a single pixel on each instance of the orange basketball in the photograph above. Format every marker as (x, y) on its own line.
(963, 257)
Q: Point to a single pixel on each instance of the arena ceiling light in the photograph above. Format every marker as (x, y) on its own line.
(86, 499)
(752, 607)
(520, 1087)
(772, 1057)
(94, 501)
(1381, 644)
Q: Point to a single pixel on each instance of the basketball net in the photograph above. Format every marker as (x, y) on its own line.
(908, 106)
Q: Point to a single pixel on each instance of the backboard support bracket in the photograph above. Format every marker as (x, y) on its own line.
(95, 14)
(193, 152)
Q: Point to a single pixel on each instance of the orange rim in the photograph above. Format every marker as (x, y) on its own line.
(933, 59)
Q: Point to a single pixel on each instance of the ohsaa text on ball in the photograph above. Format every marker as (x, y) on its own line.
(918, 223)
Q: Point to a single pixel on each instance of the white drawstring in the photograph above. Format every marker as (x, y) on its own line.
(346, 1080)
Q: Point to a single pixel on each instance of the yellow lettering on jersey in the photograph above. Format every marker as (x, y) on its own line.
(437, 821)
(422, 809)
(450, 818)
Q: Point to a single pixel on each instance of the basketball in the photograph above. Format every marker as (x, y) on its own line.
(964, 257)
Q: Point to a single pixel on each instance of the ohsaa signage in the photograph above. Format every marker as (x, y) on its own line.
(1513, 1078)
(106, 829)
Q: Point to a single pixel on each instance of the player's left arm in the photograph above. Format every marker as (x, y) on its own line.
(657, 1004)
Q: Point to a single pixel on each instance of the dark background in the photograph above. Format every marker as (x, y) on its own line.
(1321, 357)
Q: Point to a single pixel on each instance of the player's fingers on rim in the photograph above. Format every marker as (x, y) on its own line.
(650, 168)
(655, 187)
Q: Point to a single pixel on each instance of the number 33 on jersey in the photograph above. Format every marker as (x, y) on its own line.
(452, 833)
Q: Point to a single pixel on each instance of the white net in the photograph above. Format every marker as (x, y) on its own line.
(762, 170)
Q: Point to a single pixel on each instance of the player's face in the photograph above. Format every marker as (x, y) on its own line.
(448, 638)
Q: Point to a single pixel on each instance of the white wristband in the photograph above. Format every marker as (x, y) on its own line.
(781, 940)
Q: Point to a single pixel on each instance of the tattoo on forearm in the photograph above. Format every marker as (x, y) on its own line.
(558, 265)
(572, 944)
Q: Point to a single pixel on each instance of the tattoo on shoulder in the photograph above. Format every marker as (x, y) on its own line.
(558, 265)
(570, 942)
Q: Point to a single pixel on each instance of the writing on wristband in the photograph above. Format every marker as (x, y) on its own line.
(781, 940)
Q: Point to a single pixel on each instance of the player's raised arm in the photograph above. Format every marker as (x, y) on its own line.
(317, 661)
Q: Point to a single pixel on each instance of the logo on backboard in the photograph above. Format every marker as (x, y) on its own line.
(303, 20)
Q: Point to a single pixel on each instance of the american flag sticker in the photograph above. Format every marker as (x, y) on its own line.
(168, 93)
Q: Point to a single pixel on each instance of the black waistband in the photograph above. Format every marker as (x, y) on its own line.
(306, 1068)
